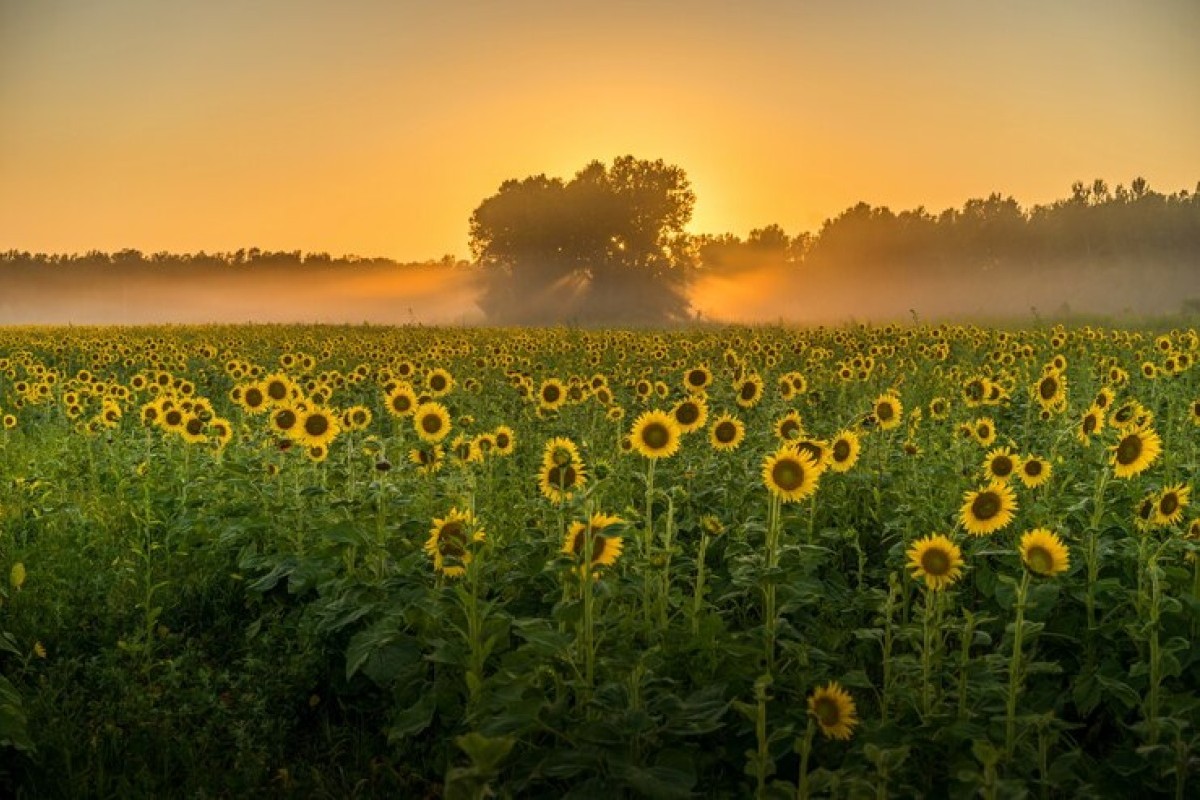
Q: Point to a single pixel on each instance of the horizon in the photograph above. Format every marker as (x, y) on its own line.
(377, 131)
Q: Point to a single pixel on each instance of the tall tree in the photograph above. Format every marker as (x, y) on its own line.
(608, 246)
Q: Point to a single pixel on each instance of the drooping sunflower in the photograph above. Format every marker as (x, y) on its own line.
(888, 411)
(834, 710)
(655, 434)
(605, 548)
(844, 451)
(449, 542)
(1034, 471)
(1001, 463)
(1144, 513)
(789, 474)
(1044, 553)
(432, 422)
(317, 428)
(690, 414)
(789, 427)
(1172, 500)
(1135, 452)
(429, 459)
(936, 560)
(726, 432)
(988, 509)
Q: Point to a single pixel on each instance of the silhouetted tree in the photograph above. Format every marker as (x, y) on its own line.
(608, 246)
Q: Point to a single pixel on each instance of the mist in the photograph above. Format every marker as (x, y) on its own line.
(754, 293)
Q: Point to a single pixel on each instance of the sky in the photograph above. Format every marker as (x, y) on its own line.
(375, 128)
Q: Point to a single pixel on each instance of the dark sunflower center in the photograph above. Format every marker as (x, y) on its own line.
(656, 436)
(277, 390)
(194, 426)
(1033, 468)
(401, 403)
(452, 539)
(1146, 509)
(813, 449)
(984, 432)
(827, 712)
(316, 425)
(563, 477)
(551, 394)
(841, 450)
(1089, 424)
(748, 391)
(788, 474)
(173, 418)
(936, 562)
(884, 411)
(696, 377)
(1048, 388)
(437, 383)
(687, 413)
(975, 390)
(285, 419)
(1002, 466)
(502, 440)
(986, 505)
(1168, 504)
(1129, 449)
(726, 432)
(431, 423)
(789, 428)
(254, 397)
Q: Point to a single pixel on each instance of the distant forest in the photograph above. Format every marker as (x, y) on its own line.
(1120, 244)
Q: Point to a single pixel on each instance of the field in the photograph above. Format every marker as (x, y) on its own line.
(416, 562)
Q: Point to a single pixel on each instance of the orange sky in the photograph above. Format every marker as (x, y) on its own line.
(375, 127)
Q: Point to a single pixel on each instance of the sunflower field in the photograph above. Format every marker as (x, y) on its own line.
(926, 561)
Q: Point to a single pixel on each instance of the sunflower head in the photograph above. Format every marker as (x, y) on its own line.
(844, 451)
(1171, 501)
(936, 560)
(1135, 452)
(655, 434)
(594, 543)
(790, 474)
(450, 542)
(1044, 553)
(834, 711)
(988, 509)
(726, 432)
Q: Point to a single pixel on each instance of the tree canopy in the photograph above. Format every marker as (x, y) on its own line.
(607, 245)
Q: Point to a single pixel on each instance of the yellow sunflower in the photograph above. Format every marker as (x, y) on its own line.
(989, 509)
(439, 382)
(888, 411)
(698, 379)
(317, 428)
(552, 394)
(655, 435)
(690, 414)
(749, 390)
(401, 401)
(505, 439)
(1001, 463)
(432, 422)
(428, 460)
(1168, 509)
(790, 474)
(605, 549)
(726, 432)
(1135, 452)
(1034, 471)
(1044, 553)
(936, 560)
(449, 542)
(834, 710)
(1091, 424)
(844, 451)
(789, 427)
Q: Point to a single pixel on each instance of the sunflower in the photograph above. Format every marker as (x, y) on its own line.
(726, 432)
(1144, 513)
(989, 509)
(401, 400)
(1051, 390)
(605, 549)
(690, 414)
(655, 435)
(558, 482)
(833, 709)
(1034, 471)
(790, 474)
(983, 431)
(449, 542)
(279, 389)
(1130, 415)
(439, 382)
(317, 428)
(221, 430)
(816, 449)
(789, 426)
(284, 420)
(428, 460)
(939, 408)
(193, 429)
(560, 451)
(697, 379)
(1136, 451)
(1044, 553)
(1000, 464)
(888, 411)
(505, 440)
(844, 450)
(432, 422)
(356, 418)
(254, 398)
(1194, 412)
(316, 453)
(551, 394)
(1170, 504)
(749, 390)
(1091, 424)
(936, 560)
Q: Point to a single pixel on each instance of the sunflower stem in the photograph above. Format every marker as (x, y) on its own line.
(1092, 557)
(931, 625)
(772, 560)
(698, 595)
(1014, 667)
(1152, 691)
(648, 545)
(805, 748)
